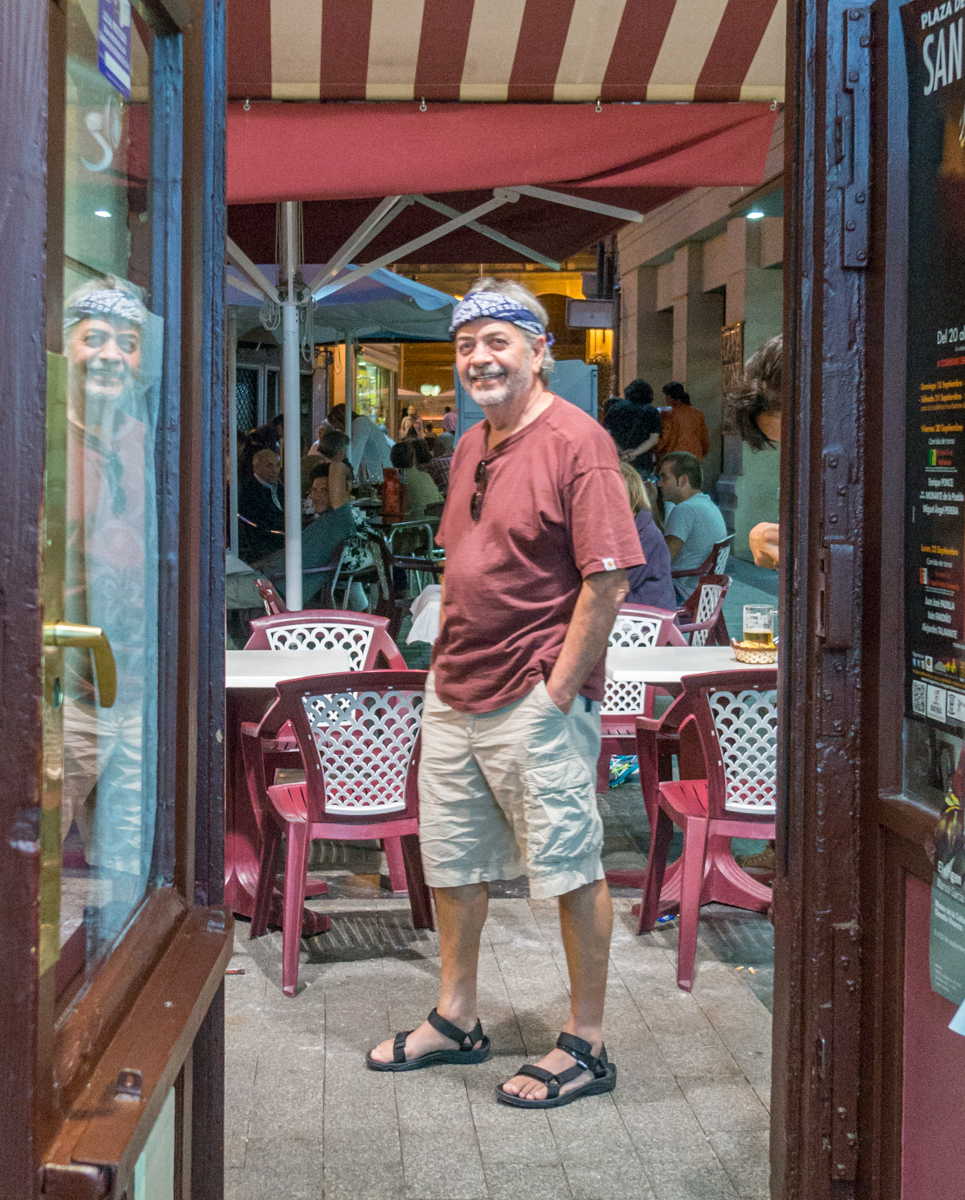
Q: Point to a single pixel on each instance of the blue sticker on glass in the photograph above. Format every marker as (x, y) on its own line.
(114, 43)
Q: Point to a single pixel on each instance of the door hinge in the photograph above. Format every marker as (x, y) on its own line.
(845, 1043)
(852, 138)
(836, 599)
(857, 88)
(835, 596)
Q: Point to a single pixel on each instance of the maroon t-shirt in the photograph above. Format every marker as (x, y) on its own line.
(555, 511)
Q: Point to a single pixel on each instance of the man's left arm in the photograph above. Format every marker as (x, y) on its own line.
(586, 638)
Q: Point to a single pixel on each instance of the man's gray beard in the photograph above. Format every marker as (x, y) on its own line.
(490, 399)
(513, 387)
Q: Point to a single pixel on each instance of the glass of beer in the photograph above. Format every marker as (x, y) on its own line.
(759, 624)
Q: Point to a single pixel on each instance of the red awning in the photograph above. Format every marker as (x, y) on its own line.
(549, 229)
(352, 151)
(497, 50)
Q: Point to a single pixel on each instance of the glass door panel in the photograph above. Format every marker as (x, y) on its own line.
(101, 547)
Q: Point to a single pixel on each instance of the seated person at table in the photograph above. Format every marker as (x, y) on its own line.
(332, 448)
(651, 583)
(695, 523)
(370, 443)
(438, 468)
(322, 538)
(420, 490)
(261, 506)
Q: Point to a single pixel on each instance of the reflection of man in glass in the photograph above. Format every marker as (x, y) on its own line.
(111, 582)
(105, 351)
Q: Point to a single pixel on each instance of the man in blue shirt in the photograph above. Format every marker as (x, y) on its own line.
(695, 523)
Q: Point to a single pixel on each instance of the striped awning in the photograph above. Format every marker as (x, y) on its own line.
(534, 51)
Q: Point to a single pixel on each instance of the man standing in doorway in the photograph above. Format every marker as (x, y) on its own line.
(538, 535)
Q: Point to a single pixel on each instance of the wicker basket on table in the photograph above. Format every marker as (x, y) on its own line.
(755, 655)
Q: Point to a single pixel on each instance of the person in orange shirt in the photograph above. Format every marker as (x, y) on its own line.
(684, 427)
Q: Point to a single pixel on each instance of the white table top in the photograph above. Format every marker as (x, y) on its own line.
(263, 668)
(666, 664)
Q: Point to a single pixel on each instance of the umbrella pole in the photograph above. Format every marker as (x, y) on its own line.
(290, 381)
(233, 434)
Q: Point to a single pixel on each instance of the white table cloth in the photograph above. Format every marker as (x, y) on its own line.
(666, 664)
(263, 668)
(426, 615)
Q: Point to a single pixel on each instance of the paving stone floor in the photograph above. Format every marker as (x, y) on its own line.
(688, 1120)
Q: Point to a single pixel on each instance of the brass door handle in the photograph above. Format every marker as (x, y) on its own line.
(89, 637)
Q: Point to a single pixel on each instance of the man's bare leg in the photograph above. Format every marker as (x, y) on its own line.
(461, 914)
(586, 921)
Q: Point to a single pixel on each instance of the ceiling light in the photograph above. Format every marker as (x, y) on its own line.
(101, 212)
(755, 214)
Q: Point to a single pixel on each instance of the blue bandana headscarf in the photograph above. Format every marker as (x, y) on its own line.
(497, 307)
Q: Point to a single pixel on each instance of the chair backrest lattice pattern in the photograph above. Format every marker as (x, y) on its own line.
(746, 725)
(709, 596)
(630, 631)
(365, 742)
(722, 556)
(627, 698)
(355, 640)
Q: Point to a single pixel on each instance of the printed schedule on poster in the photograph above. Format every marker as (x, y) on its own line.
(935, 412)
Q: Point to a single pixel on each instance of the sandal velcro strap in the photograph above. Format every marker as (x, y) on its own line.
(552, 1082)
(398, 1046)
(465, 1041)
(582, 1051)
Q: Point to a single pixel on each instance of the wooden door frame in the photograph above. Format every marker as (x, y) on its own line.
(847, 838)
(23, 373)
(196, 775)
(823, 505)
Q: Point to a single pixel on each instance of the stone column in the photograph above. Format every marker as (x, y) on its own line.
(646, 335)
(697, 320)
(732, 448)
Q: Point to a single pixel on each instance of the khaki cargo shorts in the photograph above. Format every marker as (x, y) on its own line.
(510, 793)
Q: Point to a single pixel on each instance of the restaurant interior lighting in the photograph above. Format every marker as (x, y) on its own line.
(101, 212)
(755, 215)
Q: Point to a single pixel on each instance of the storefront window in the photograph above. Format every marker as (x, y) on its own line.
(373, 391)
(102, 552)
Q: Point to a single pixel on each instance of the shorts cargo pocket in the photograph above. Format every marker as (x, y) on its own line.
(563, 824)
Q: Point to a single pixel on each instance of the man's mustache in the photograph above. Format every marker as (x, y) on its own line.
(109, 371)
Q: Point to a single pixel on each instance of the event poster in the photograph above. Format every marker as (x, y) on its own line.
(935, 413)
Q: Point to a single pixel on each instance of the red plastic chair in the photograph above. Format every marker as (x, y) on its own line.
(637, 625)
(701, 616)
(358, 735)
(366, 640)
(713, 564)
(362, 636)
(734, 714)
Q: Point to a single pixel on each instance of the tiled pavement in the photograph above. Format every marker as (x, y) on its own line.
(688, 1120)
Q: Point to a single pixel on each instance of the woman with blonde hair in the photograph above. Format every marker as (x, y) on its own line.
(650, 583)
